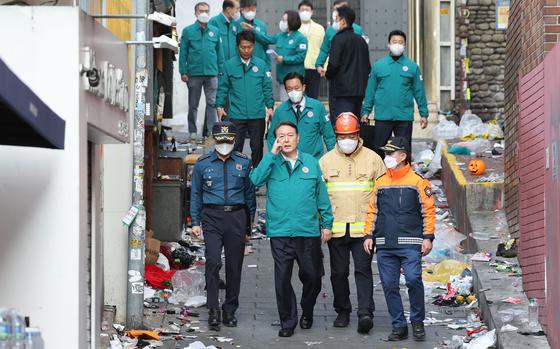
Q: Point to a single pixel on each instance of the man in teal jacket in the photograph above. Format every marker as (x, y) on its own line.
(247, 81)
(200, 61)
(308, 114)
(394, 83)
(298, 217)
(248, 14)
(227, 26)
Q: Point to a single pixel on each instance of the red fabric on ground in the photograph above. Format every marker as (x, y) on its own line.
(157, 277)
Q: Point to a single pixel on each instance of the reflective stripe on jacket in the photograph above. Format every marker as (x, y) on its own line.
(401, 212)
(350, 180)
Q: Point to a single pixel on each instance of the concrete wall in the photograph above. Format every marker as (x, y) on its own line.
(43, 193)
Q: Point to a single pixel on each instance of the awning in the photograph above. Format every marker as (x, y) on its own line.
(25, 120)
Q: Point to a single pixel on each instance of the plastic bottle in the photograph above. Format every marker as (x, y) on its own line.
(33, 339)
(533, 313)
(18, 330)
(5, 329)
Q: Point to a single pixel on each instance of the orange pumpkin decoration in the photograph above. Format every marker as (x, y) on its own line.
(477, 167)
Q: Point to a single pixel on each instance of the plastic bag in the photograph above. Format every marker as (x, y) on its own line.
(444, 130)
(472, 126)
(479, 145)
(426, 156)
(444, 270)
(495, 132)
(187, 284)
(445, 243)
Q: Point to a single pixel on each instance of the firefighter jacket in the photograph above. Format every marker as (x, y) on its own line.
(401, 212)
(350, 180)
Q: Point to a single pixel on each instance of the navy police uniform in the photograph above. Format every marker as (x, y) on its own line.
(222, 202)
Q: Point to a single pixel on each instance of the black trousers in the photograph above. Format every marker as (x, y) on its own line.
(345, 104)
(255, 128)
(307, 253)
(227, 230)
(312, 83)
(340, 249)
(384, 130)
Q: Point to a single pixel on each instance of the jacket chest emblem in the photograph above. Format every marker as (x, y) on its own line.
(255, 69)
(238, 167)
(310, 114)
(211, 34)
(305, 169)
(291, 42)
(405, 68)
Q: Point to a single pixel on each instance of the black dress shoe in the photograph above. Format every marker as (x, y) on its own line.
(214, 319)
(229, 319)
(305, 322)
(418, 331)
(286, 332)
(365, 324)
(398, 334)
(342, 320)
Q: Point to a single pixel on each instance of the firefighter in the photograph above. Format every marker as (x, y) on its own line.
(401, 223)
(350, 171)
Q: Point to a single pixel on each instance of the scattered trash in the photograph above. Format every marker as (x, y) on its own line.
(163, 262)
(149, 292)
(188, 284)
(485, 341)
(143, 333)
(252, 266)
(312, 343)
(508, 328)
(445, 130)
(493, 178)
(199, 345)
(481, 257)
(222, 339)
(512, 300)
(157, 277)
(443, 270)
(507, 249)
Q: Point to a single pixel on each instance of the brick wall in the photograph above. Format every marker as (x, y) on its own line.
(534, 27)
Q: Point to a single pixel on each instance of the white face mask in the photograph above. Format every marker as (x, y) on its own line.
(249, 15)
(203, 17)
(283, 25)
(295, 96)
(336, 26)
(347, 145)
(236, 16)
(396, 49)
(224, 148)
(305, 16)
(390, 162)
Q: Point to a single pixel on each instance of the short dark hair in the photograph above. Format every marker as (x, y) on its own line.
(305, 3)
(347, 14)
(245, 35)
(338, 2)
(198, 4)
(396, 33)
(247, 3)
(294, 75)
(294, 22)
(227, 4)
(286, 123)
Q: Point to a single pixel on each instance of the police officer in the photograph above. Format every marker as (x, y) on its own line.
(221, 198)
(401, 218)
(350, 171)
(296, 198)
(248, 83)
(227, 27)
(394, 82)
(308, 114)
(248, 15)
(291, 47)
(200, 61)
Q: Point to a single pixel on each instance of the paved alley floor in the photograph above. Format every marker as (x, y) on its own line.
(258, 312)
